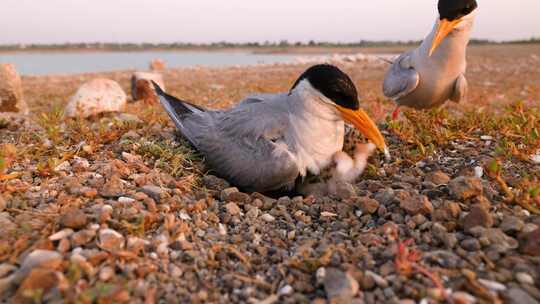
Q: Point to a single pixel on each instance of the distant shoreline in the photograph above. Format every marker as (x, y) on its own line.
(281, 48)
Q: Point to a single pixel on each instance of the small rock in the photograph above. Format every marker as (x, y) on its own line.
(414, 204)
(463, 188)
(226, 192)
(492, 285)
(64, 166)
(385, 196)
(215, 183)
(126, 200)
(339, 286)
(154, 192)
(11, 92)
(478, 216)
(437, 178)
(530, 243)
(82, 237)
(478, 172)
(38, 259)
(460, 297)
(342, 190)
(95, 97)
(75, 219)
(106, 273)
(367, 205)
(111, 240)
(512, 225)
(233, 209)
(142, 87)
(113, 188)
(380, 281)
(126, 118)
(268, 218)
(524, 278)
(62, 234)
(471, 244)
(42, 279)
(285, 290)
(518, 296)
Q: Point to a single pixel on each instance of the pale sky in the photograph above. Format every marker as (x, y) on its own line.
(58, 21)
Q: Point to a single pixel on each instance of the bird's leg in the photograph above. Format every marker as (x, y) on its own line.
(396, 112)
(348, 169)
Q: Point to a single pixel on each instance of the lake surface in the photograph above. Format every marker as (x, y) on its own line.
(87, 62)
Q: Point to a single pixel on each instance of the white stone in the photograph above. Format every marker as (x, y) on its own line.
(524, 278)
(62, 234)
(492, 285)
(478, 171)
(268, 218)
(95, 97)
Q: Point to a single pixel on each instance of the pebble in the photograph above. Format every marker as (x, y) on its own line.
(233, 209)
(286, 290)
(437, 178)
(113, 188)
(478, 216)
(106, 273)
(268, 218)
(463, 188)
(492, 285)
(414, 204)
(519, 296)
(470, 244)
(512, 225)
(339, 286)
(478, 172)
(530, 243)
(62, 234)
(224, 196)
(82, 237)
(111, 240)
(38, 259)
(74, 219)
(126, 200)
(367, 205)
(524, 278)
(380, 281)
(460, 297)
(153, 191)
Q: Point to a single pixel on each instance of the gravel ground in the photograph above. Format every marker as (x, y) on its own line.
(117, 208)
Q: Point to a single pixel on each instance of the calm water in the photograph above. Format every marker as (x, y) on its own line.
(82, 62)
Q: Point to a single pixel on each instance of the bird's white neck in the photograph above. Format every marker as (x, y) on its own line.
(317, 128)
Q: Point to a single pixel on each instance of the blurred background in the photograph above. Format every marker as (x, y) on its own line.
(47, 37)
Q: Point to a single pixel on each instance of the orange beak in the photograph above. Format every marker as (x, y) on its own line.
(444, 28)
(361, 121)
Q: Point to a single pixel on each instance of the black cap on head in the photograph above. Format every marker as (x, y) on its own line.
(455, 9)
(333, 84)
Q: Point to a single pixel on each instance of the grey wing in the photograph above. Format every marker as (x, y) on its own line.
(401, 79)
(245, 145)
(460, 89)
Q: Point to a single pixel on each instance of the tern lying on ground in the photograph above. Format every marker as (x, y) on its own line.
(270, 141)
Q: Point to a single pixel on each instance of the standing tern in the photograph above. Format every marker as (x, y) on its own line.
(435, 72)
(268, 141)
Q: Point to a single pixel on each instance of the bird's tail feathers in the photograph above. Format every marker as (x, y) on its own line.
(175, 107)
